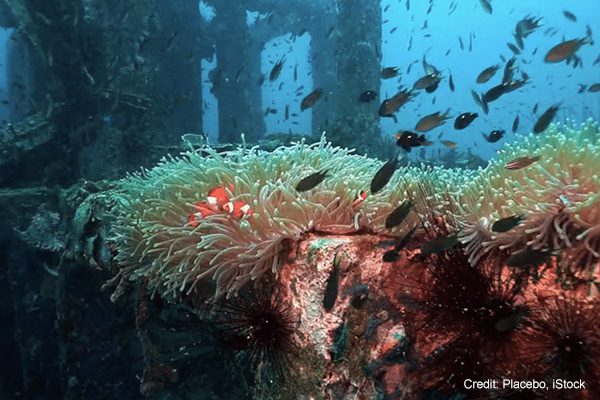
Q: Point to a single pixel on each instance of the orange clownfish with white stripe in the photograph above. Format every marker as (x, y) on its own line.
(360, 199)
(202, 210)
(217, 201)
(238, 209)
(218, 196)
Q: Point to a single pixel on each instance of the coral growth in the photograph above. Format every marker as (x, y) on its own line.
(408, 311)
(46, 231)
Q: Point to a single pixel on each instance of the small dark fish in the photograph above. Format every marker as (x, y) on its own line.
(311, 99)
(390, 256)
(450, 144)
(367, 96)
(528, 258)
(576, 60)
(431, 121)
(311, 181)
(535, 108)
(515, 124)
(404, 241)
(594, 88)
(511, 321)
(409, 301)
(464, 120)
(487, 73)
(527, 26)
(389, 106)
(432, 88)
(570, 16)
(396, 217)
(545, 119)
(276, 70)
(506, 224)
(439, 245)
(359, 295)
(513, 48)
(516, 84)
(494, 93)
(596, 61)
(494, 136)
(426, 81)
(429, 68)
(519, 41)
(385, 243)
(383, 175)
(295, 72)
(332, 287)
(484, 107)
(287, 112)
(407, 140)
(476, 97)
(451, 83)
(460, 42)
(487, 7)
(389, 72)
(509, 71)
(521, 162)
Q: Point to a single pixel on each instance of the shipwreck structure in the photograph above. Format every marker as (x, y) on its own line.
(100, 88)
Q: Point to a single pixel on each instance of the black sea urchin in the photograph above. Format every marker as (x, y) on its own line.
(562, 340)
(258, 328)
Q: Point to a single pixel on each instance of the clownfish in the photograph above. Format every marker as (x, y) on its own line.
(218, 196)
(238, 209)
(360, 198)
(203, 210)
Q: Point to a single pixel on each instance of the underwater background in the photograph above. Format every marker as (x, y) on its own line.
(300, 199)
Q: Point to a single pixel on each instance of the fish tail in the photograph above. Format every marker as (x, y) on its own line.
(587, 39)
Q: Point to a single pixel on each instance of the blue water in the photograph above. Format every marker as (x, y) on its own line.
(550, 83)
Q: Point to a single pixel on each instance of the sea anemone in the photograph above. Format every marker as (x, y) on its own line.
(559, 197)
(154, 242)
